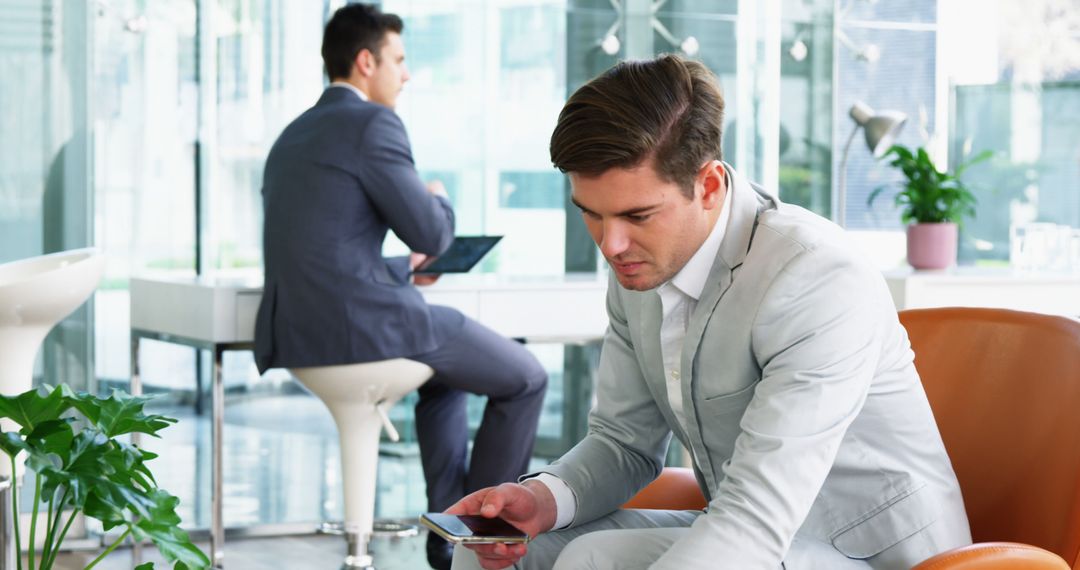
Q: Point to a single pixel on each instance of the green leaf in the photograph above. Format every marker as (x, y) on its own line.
(162, 526)
(146, 566)
(53, 437)
(929, 194)
(33, 407)
(12, 444)
(119, 414)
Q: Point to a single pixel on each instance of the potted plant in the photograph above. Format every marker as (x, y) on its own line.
(933, 203)
(70, 442)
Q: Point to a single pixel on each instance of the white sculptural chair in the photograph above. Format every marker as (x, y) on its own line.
(358, 396)
(35, 294)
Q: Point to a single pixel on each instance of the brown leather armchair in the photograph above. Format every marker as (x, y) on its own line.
(1005, 390)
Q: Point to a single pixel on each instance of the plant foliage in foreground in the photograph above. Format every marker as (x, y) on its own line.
(69, 441)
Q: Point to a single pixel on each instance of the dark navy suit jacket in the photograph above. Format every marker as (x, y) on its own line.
(336, 180)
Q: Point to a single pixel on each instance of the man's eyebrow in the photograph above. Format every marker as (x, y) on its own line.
(628, 212)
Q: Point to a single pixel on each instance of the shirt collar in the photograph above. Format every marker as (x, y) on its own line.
(692, 277)
(350, 87)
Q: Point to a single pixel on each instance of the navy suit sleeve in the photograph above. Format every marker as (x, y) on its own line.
(423, 221)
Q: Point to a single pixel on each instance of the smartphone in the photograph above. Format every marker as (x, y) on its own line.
(470, 529)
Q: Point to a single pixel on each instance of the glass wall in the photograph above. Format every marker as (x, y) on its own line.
(488, 80)
(45, 156)
(1033, 176)
(885, 56)
(1018, 98)
(805, 137)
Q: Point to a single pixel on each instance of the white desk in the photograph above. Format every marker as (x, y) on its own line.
(218, 314)
(1057, 294)
(562, 308)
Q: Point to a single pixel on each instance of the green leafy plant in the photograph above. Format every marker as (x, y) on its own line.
(69, 440)
(929, 195)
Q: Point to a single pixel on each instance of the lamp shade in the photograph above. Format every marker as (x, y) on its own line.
(880, 129)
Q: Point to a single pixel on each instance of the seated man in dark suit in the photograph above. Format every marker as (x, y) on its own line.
(337, 179)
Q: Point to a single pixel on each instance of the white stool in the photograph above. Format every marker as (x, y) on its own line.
(358, 396)
(35, 294)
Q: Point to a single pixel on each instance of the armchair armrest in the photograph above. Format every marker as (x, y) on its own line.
(675, 489)
(995, 556)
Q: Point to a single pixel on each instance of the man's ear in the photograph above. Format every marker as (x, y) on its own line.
(365, 63)
(712, 181)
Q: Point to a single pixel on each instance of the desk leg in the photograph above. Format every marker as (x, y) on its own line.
(217, 526)
(136, 389)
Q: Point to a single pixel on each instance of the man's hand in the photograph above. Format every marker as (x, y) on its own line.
(436, 187)
(529, 507)
(420, 260)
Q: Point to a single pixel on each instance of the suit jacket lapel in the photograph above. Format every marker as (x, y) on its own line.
(733, 249)
(744, 211)
(651, 358)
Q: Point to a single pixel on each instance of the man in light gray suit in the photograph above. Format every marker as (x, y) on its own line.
(753, 331)
(337, 179)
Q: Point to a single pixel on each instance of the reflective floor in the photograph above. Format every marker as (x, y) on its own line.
(281, 468)
(285, 553)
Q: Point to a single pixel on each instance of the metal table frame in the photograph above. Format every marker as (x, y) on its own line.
(217, 403)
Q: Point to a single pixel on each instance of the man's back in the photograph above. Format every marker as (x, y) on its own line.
(338, 178)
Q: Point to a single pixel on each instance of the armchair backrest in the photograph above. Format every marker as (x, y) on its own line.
(1005, 390)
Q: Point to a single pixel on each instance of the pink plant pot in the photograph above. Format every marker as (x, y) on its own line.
(932, 246)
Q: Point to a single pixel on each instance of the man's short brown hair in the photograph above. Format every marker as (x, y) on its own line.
(352, 29)
(668, 110)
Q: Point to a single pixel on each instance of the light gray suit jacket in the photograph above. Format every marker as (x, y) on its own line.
(804, 411)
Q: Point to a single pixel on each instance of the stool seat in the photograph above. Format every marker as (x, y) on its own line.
(358, 397)
(35, 294)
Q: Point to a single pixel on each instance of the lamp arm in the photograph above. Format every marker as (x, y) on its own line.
(841, 195)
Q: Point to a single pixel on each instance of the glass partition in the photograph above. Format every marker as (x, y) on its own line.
(46, 157)
(1034, 131)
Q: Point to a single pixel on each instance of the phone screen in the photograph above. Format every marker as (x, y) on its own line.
(473, 529)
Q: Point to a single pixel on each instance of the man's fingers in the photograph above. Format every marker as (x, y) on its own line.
(500, 555)
(493, 503)
(469, 504)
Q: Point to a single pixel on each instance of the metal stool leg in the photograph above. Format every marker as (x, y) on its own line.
(136, 389)
(8, 550)
(217, 523)
(357, 556)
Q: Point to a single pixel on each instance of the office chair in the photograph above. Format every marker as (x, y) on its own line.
(1005, 390)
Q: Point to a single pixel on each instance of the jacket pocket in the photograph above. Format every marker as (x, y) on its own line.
(897, 519)
(720, 405)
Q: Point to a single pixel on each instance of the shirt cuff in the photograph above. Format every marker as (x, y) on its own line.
(565, 505)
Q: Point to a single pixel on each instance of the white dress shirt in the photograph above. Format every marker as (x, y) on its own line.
(363, 96)
(678, 298)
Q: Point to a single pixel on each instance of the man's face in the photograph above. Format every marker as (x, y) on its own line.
(389, 74)
(646, 228)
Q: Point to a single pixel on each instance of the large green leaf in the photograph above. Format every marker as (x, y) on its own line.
(162, 526)
(12, 444)
(118, 414)
(33, 407)
(110, 513)
(53, 437)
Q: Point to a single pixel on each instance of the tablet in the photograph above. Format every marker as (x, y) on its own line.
(464, 253)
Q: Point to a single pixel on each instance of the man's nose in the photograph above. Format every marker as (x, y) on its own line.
(404, 74)
(614, 239)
